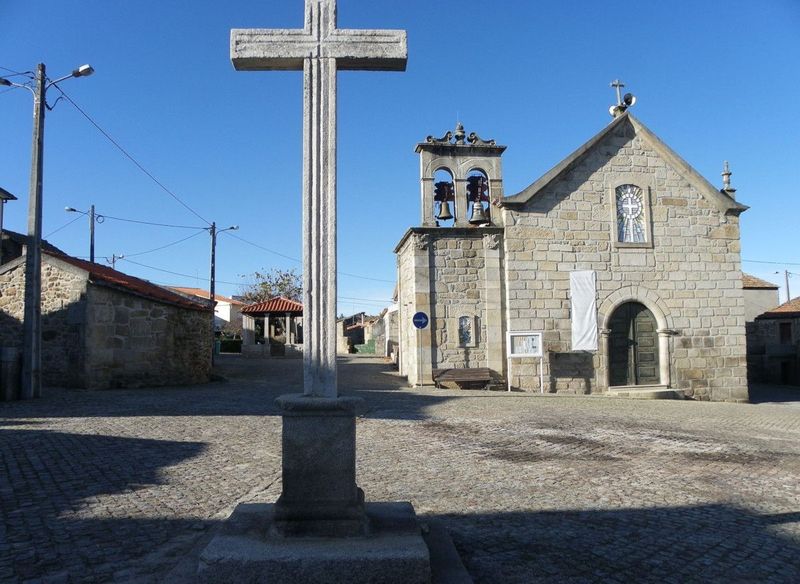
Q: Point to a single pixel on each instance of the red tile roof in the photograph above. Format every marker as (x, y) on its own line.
(749, 281)
(789, 309)
(279, 304)
(200, 293)
(100, 273)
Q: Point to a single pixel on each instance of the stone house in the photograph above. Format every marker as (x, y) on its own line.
(773, 345)
(227, 311)
(105, 329)
(621, 263)
(759, 296)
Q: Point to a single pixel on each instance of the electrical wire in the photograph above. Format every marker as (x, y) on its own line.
(300, 262)
(15, 73)
(772, 263)
(128, 255)
(151, 223)
(130, 157)
(67, 224)
(175, 273)
(261, 247)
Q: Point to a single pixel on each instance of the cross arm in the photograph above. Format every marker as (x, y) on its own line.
(285, 49)
(259, 49)
(375, 50)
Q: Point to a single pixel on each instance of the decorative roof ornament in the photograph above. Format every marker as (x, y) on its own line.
(476, 140)
(623, 101)
(459, 138)
(726, 180)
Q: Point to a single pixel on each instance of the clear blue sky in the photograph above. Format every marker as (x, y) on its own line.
(717, 80)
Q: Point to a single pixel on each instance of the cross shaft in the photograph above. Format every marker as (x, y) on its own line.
(319, 49)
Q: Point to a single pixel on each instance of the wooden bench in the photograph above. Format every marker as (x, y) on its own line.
(463, 376)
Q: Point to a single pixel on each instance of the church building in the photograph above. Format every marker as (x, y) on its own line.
(618, 271)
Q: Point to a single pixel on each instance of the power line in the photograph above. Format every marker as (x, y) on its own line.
(175, 273)
(67, 224)
(772, 263)
(373, 300)
(129, 156)
(261, 247)
(151, 223)
(299, 262)
(163, 246)
(15, 73)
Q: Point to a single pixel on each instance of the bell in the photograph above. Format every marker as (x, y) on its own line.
(444, 211)
(478, 214)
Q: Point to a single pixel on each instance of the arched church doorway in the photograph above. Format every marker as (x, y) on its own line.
(633, 346)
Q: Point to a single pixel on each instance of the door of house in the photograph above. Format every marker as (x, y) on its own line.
(633, 346)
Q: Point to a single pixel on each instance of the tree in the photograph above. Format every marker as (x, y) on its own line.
(272, 283)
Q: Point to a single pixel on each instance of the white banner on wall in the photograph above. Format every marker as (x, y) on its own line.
(582, 292)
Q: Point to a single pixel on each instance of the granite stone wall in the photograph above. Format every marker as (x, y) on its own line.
(97, 337)
(135, 342)
(688, 275)
(63, 315)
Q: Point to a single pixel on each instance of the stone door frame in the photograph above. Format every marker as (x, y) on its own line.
(664, 330)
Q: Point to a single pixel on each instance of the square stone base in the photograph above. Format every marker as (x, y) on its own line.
(248, 550)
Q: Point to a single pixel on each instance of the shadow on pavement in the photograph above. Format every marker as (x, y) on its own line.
(707, 543)
(48, 480)
(249, 389)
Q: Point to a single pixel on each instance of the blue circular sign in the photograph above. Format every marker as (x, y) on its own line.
(420, 320)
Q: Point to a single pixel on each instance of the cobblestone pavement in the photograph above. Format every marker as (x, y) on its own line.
(127, 485)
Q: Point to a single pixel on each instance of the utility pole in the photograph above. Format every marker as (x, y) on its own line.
(212, 295)
(786, 277)
(114, 258)
(212, 281)
(32, 335)
(91, 234)
(32, 327)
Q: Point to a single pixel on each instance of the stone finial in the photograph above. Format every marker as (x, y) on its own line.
(726, 180)
(476, 140)
(459, 137)
(460, 133)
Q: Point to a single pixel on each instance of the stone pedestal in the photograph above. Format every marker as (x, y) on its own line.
(320, 530)
(320, 496)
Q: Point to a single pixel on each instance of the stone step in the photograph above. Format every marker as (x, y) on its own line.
(645, 392)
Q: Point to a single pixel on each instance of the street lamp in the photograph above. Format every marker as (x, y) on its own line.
(32, 326)
(4, 196)
(92, 219)
(212, 296)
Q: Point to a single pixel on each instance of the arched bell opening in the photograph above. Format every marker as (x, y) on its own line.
(478, 197)
(444, 198)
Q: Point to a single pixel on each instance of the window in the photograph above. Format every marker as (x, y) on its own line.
(466, 333)
(785, 333)
(630, 214)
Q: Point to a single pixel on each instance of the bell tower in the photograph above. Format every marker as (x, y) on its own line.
(461, 177)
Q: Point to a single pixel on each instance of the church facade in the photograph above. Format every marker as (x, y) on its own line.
(622, 262)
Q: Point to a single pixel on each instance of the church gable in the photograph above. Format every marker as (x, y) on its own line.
(627, 140)
(663, 245)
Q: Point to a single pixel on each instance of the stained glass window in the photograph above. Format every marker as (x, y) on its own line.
(630, 214)
(465, 331)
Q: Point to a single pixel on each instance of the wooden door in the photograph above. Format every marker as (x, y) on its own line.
(633, 346)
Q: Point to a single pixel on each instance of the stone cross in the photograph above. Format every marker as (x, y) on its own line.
(319, 49)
